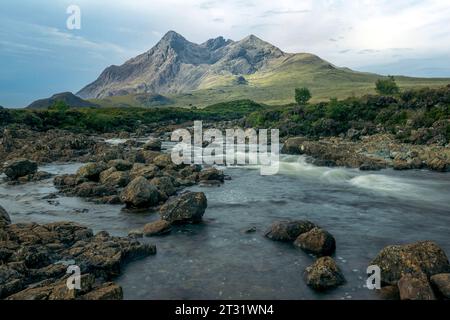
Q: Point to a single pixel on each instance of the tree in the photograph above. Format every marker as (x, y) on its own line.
(302, 95)
(387, 86)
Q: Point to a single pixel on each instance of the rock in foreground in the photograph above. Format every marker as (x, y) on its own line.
(421, 257)
(34, 260)
(317, 241)
(288, 230)
(187, 208)
(19, 168)
(140, 193)
(324, 274)
(442, 284)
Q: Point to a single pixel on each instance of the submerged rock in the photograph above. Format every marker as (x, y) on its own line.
(186, 208)
(157, 228)
(324, 274)
(19, 168)
(140, 193)
(317, 241)
(288, 230)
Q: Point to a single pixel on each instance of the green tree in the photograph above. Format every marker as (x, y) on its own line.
(302, 95)
(59, 106)
(387, 86)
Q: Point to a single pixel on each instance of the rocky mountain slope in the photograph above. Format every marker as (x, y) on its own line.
(176, 65)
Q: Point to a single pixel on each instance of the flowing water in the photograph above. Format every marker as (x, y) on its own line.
(365, 211)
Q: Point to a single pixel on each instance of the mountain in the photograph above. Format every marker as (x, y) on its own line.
(67, 97)
(176, 65)
(220, 70)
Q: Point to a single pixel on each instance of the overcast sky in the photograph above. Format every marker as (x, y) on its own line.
(39, 56)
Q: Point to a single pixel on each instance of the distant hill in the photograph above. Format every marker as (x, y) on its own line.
(67, 97)
(221, 70)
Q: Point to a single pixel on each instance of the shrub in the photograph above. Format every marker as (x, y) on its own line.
(302, 96)
(387, 86)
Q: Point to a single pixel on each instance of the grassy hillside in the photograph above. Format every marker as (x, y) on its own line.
(275, 85)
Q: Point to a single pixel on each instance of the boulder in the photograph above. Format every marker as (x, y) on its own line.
(157, 228)
(292, 145)
(186, 208)
(19, 168)
(288, 230)
(415, 287)
(442, 284)
(153, 145)
(163, 160)
(211, 174)
(115, 178)
(120, 165)
(140, 193)
(141, 170)
(4, 218)
(164, 185)
(91, 171)
(93, 189)
(324, 274)
(317, 241)
(421, 257)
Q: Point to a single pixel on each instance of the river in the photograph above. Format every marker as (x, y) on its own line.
(217, 259)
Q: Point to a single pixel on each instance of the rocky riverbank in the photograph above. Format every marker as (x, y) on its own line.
(34, 260)
(370, 153)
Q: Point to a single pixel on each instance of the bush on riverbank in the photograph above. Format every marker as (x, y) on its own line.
(413, 116)
(121, 119)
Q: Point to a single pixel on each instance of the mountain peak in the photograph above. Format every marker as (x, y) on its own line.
(171, 35)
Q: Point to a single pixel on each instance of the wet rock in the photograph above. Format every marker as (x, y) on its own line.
(186, 208)
(91, 171)
(108, 291)
(288, 230)
(442, 283)
(153, 145)
(292, 145)
(120, 165)
(19, 168)
(163, 160)
(93, 189)
(35, 260)
(136, 233)
(164, 186)
(317, 241)
(421, 257)
(371, 166)
(4, 218)
(140, 193)
(211, 174)
(415, 287)
(141, 170)
(324, 274)
(439, 165)
(157, 228)
(389, 293)
(115, 178)
(38, 176)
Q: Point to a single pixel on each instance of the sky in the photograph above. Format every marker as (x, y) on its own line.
(40, 56)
